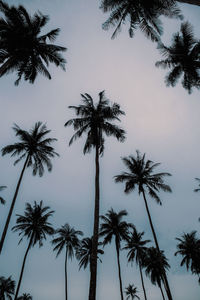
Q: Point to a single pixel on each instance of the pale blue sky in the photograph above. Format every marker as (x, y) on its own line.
(161, 121)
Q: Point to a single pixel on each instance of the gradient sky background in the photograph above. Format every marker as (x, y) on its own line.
(161, 121)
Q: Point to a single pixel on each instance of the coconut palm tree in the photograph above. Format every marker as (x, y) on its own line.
(189, 249)
(114, 227)
(141, 175)
(7, 288)
(23, 48)
(83, 252)
(67, 239)
(35, 227)
(182, 58)
(156, 265)
(96, 121)
(131, 292)
(2, 201)
(144, 15)
(25, 297)
(137, 251)
(35, 148)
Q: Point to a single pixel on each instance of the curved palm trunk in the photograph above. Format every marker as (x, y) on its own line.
(66, 275)
(22, 270)
(12, 206)
(162, 292)
(165, 281)
(193, 2)
(145, 296)
(93, 273)
(119, 270)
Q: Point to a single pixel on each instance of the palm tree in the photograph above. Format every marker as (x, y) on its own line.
(83, 252)
(35, 227)
(95, 120)
(144, 15)
(25, 297)
(7, 288)
(2, 201)
(182, 58)
(156, 265)
(137, 251)
(189, 248)
(68, 239)
(36, 149)
(23, 48)
(141, 174)
(131, 292)
(114, 227)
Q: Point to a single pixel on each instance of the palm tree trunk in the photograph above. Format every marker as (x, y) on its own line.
(165, 281)
(93, 273)
(162, 292)
(119, 270)
(22, 270)
(66, 275)
(12, 205)
(145, 296)
(193, 2)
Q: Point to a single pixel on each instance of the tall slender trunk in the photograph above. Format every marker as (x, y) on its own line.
(165, 281)
(145, 296)
(66, 275)
(162, 292)
(12, 205)
(119, 269)
(193, 2)
(93, 274)
(22, 269)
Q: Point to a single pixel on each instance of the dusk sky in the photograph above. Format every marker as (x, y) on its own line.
(161, 121)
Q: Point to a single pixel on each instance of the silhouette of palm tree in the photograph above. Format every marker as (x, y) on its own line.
(131, 292)
(2, 201)
(23, 49)
(137, 251)
(114, 227)
(189, 248)
(182, 57)
(7, 288)
(34, 226)
(36, 149)
(144, 15)
(68, 239)
(156, 265)
(95, 120)
(25, 297)
(141, 174)
(83, 252)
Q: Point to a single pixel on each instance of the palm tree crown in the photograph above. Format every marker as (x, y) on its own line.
(197, 189)
(83, 252)
(189, 248)
(23, 48)
(7, 288)
(68, 239)
(25, 297)
(131, 292)
(183, 58)
(156, 264)
(95, 121)
(140, 14)
(2, 201)
(141, 175)
(34, 223)
(34, 146)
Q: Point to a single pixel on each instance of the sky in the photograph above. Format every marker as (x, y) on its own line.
(161, 121)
